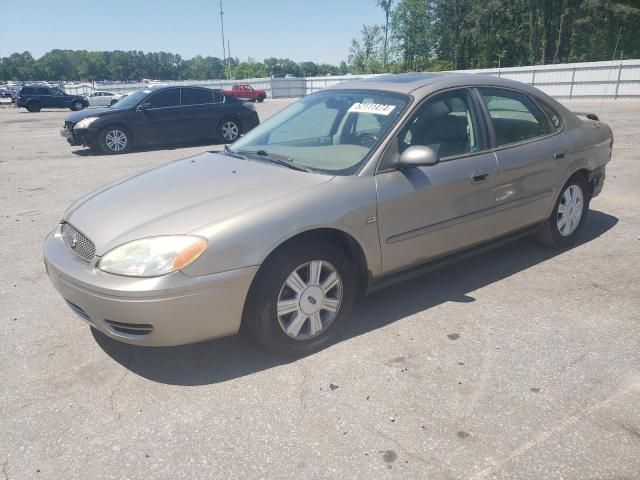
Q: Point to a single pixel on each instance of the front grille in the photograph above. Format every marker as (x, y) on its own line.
(129, 328)
(77, 242)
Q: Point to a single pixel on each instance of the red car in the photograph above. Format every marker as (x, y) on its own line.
(246, 92)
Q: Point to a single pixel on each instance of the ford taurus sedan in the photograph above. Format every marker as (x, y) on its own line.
(345, 191)
(161, 115)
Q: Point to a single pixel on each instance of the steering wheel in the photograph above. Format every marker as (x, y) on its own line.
(367, 139)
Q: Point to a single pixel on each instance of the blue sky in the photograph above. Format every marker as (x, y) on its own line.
(320, 31)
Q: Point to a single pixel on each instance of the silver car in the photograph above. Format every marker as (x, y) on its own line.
(346, 190)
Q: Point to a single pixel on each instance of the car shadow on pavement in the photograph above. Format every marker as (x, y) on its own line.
(228, 358)
(88, 152)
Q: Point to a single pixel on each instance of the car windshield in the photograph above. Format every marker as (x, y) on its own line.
(132, 99)
(330, 132)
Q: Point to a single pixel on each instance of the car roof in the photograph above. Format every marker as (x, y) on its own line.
(423, 83)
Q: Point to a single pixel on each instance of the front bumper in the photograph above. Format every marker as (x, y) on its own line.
(79, 137)
(171, 310)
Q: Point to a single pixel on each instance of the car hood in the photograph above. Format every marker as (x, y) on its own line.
(75, 117)
(182, 197)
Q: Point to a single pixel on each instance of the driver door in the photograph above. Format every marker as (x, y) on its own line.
(427, 212)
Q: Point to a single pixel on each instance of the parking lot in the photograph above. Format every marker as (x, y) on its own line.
(520, 363)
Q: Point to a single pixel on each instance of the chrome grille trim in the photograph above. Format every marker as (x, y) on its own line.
(77, 242)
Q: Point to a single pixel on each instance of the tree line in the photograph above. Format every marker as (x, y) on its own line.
(423, 35)
(417, 35)
(135, 65)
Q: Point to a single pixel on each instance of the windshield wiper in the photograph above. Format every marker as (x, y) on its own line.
(277, 159)
(233, 153)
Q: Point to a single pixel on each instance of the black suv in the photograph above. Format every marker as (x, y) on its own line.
(161, 115)
(36, 97)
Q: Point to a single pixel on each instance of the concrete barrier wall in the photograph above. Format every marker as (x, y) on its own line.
(618, 79)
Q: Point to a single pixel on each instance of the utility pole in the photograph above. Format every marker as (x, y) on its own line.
(224, 51)
(229, 59)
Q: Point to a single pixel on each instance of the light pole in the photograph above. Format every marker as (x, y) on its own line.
(224, 49)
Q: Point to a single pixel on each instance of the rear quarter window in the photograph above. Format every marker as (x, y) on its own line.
(553, 116)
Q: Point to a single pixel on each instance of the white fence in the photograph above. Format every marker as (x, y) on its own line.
(620, 79)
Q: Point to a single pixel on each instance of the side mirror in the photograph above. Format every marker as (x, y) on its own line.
(418, 156)
(144, 106)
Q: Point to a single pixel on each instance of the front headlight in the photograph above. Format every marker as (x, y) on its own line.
(153, 256)
(85, 122)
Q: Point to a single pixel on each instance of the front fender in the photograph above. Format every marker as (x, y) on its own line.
(344, 204)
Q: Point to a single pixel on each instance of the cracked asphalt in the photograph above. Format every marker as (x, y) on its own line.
(521, 363)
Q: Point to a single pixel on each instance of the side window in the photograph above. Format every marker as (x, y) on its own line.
(552, 115)
(165, 98)
(41, 91)
(447, 123)
(218, 96)
(514, 116)
(196, 96)
(56, 92)
(26, 91)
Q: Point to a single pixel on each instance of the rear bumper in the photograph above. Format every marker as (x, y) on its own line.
(163, 311)
(596, 179)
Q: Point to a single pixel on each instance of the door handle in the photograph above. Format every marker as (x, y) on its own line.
(480, 177)
(558, 155)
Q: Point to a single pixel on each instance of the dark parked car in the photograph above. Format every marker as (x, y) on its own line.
(161, 115)
(36, 97)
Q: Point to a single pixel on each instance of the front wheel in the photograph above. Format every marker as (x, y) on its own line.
(114, 140)
(301, 298)
(261, 98)
(229, 130)
(569, 213)
(77, 105)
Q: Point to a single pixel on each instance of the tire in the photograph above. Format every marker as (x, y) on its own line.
(317, 327)
(114, 139)
(229, 130)
(261, 98)
(558, 234)
(112, 102)
(77, 105)
(33, 107)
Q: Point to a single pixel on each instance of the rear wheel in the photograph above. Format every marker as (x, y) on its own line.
(229, 130)
(114, 140)
(569, 213)
(34, 106)
(301, 298)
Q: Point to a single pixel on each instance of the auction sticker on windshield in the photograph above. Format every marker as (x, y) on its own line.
(376, 108)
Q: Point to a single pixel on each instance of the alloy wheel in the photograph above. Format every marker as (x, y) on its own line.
(309, 300)
(230, 131)
(116, 140)
(570, 210)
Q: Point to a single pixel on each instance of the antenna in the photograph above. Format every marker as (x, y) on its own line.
(613, 59)
(224, 51)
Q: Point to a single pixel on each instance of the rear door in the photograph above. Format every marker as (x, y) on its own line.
(59, 99)
(201, 111)
(426, 212)
(158, 122)
(527, 149)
